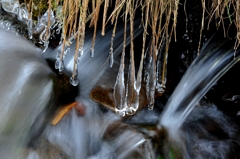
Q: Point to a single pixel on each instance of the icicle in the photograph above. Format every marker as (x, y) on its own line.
(80, 53)
(7, 24)
(132, 92)
(111, 60)
(61, 66)
(70, 40)
(44, 19)
(119, 90)
(29, 24)
(151, 78)
(67, 50)
(44, 37)
(74, 79)
(92, 53)
(161, 71)
(45, 46)
(59, 61)
(138, 83)
(10, 6)
(22, 13)
(59, 27)
(47, 20)
(147, 63)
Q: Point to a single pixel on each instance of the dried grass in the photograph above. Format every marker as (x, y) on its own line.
(160, 16)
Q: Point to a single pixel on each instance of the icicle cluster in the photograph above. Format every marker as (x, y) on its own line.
(69, 18)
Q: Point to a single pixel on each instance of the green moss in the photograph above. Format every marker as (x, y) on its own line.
(40, 7)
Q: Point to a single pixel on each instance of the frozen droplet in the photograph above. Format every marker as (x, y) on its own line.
(29, 24)
(160, 88)
(45, 46)
(80, 51)
(58, 31)
(120, 113)
(182, 56)
(111, 60)
(57, 64)
(131, 110)
(92, 53)
(71, 39)
(185, 37)
(150, 106)
(61, 66)
(44, 36)
(67, 50)
(119, 90)
(74, 80)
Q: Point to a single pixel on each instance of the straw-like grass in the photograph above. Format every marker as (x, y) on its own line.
(158, 15)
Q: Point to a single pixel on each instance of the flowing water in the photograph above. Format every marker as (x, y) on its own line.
(26, 98)
(190, 123)
(26, 90)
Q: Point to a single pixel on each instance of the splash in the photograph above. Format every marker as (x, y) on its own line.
(215, 59)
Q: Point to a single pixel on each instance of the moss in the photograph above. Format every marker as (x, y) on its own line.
(40, 7)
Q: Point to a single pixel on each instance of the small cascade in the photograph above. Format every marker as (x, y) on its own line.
(215, 59)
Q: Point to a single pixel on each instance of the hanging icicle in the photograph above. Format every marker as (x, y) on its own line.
(119, 90)
(74, 79)
(119, 6)
(96, 9)
(151, 77)
(47, 20)
(161, 70)
(132, 92)
(119, 93)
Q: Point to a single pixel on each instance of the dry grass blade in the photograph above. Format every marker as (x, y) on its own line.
(145, 26)
(64, 30)
(83, 22)
(104, 16)
(60, 114)
(115, 9)
(94, 21)
(202, 26)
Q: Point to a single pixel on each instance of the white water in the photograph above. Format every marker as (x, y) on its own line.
(26, 89)
(76, 136)
(215, 59)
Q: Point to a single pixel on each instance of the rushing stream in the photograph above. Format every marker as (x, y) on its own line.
(27, 100)
(28, 87)
(190, 122)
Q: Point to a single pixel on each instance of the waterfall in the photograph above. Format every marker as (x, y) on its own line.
(182, 116)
